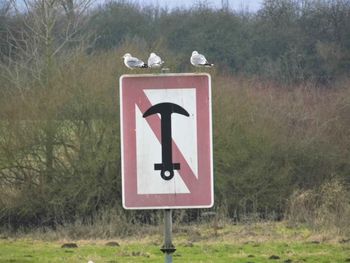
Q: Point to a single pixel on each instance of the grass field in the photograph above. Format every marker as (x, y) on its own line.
(242, 244)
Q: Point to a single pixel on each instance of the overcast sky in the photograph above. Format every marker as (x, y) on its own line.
(251, 5)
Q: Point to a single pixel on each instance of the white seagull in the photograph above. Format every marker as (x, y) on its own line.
(132, 62)
(198, 60)
(154, 61)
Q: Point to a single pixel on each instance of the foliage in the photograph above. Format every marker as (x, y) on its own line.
(324, 207)
(270, 142)
(59, 123)
(289, 41)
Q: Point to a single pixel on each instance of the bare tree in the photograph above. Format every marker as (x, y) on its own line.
(48, 28)
(4, 7)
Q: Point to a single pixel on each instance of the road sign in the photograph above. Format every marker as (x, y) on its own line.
(166, 141)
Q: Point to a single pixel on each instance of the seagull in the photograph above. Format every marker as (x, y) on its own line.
(132, 62)
(198, 60)
(154, 61)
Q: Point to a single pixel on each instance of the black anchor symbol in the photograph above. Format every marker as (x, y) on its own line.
(165, 109)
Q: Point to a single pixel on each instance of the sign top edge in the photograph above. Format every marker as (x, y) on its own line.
(165, 75)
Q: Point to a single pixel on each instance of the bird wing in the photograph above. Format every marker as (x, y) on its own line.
(134, 62)
(154, 60)
(198, 59)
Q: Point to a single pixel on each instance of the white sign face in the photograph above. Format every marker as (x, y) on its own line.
(185, 139)
(166, 141)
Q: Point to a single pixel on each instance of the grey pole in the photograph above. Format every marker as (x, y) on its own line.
(168, 248)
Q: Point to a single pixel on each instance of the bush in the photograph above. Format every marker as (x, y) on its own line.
(324, 207)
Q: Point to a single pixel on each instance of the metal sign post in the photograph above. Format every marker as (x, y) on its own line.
(166, 144)
(168, 248)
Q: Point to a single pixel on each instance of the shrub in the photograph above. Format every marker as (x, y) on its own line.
(324, 207)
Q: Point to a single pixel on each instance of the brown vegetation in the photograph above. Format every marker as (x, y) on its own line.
(324, 208)
(59, 126)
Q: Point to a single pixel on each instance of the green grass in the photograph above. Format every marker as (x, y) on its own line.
(239, 244)
(36, 251)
